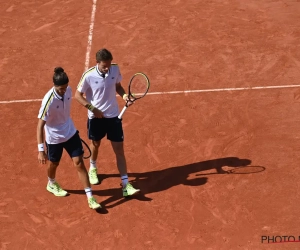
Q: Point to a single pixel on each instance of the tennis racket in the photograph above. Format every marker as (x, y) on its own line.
(86, 148)
(138, 87)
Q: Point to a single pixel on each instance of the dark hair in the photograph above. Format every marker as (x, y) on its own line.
(103, 55)
(60, 77)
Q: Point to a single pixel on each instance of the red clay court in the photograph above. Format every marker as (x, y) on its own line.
(238, 62)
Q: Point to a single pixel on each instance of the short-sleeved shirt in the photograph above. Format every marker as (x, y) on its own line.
(101, 91)
(55, 110)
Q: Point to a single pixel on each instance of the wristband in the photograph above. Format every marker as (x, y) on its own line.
(90, 107)
(41, 147)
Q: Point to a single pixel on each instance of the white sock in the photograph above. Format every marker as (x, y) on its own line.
(88, 192)
(92, 164)
(124, 179)
(51, 181)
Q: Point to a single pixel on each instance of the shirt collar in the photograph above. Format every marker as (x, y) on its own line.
(57, 95)
(100, 73)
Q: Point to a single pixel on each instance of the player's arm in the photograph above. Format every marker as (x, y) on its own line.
(82, 100)
(120, 90)
(40, 140)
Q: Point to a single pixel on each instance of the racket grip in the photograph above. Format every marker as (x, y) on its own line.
(122, 112)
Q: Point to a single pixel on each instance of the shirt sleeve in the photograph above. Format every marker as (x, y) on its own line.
(44, 109)
(119, 77)
(83, 84)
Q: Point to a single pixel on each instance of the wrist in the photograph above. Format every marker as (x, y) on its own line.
(90, 107)
(41, 147)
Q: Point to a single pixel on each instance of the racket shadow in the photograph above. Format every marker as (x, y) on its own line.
(161, 180)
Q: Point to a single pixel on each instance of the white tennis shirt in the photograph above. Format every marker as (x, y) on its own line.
(101, 92)
(55, 110)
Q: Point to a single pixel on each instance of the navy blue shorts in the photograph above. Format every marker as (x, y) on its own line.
(73, 146)
(98, 128)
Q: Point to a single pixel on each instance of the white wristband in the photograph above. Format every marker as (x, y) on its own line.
(41, 147)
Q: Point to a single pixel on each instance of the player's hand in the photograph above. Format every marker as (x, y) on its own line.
(42, 157)
(126, 99)
(98, 113)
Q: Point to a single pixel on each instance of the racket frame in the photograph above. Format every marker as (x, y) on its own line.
(131, 96)
(88, 148)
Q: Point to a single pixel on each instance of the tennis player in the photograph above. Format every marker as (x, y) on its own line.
(54, 117)
(100, 84)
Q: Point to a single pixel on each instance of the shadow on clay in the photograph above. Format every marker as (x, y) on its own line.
(160, 180)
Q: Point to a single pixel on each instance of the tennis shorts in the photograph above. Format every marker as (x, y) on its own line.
(112, 128)
(73, 146)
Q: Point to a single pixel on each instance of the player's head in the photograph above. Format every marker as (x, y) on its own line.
(104, 58)
(60, 80)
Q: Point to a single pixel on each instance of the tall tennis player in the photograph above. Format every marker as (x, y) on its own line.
(100, 85)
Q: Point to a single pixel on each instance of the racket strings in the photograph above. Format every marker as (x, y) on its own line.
(138, 86)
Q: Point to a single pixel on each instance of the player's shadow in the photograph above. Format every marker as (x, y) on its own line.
(160, 180)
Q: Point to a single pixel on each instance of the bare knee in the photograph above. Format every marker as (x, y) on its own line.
(54, 164)
(78, 163)
(96, 144)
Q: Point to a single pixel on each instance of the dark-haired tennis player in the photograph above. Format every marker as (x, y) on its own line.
(54, 117)
(100, 84)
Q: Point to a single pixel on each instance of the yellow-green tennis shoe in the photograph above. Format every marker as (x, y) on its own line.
(93, 204)
(129, 190)
(93, 176)
(56, 189)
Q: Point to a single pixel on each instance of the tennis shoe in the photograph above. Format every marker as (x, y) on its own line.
(93, 204)
(129, 190)
(93, 176)
(56, 189)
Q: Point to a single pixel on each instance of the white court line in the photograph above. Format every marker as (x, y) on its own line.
(90, 37)
(223, 89)
(184, 92)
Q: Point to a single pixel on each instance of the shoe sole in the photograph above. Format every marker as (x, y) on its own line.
(94, 183)
(49, 190)
(95, 208)
(138, 191)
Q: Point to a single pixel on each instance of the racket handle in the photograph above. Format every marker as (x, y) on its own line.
(122, 112)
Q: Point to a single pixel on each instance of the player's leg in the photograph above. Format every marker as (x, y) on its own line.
(120, 158)
(96, 131)
(84, 178)
(116, 136)
(54, 152)
(75, 150)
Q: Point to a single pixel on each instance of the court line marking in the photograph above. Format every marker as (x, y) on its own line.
(90, 37)
(223, 89)
(184, 92)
